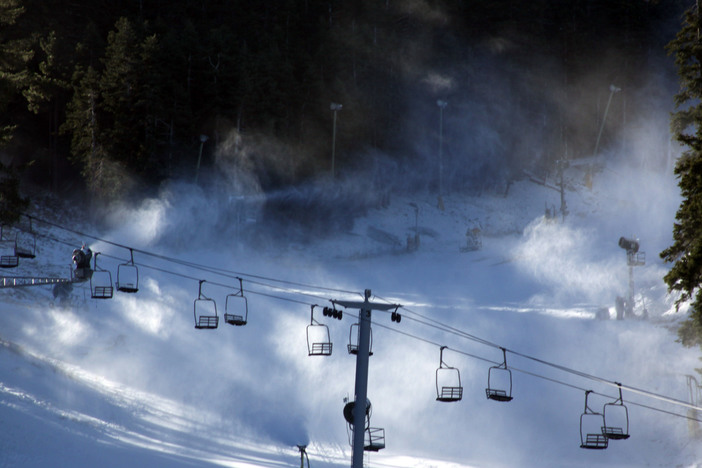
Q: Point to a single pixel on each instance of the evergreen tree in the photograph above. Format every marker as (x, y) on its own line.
(15, 52)
(685, 275)
(83, 126)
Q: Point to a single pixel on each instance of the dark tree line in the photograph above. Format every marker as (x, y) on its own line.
(107, 93)
(685, 276)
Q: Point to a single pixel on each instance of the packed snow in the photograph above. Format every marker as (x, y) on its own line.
(130, 382)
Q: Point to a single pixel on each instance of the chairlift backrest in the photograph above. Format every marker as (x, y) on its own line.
(236, 307)
(318, 338)
(500, 381)
(100, 281)
(448, 381)
(205, 311)
(128, 275)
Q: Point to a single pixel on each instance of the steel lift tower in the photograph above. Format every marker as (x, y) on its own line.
(361, 390)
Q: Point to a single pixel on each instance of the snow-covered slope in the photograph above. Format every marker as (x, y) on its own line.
(130, 382)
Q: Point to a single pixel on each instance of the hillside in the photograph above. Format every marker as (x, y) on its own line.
(129, 381)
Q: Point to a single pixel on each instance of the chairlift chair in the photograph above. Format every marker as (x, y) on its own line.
(26, 243)
(616, 419)
(448, 381)
(374, 439)
(354, 336)
(500, 381)
(236, 307)
(7, 261)
(128, 275)
(591, 423)
(205, 311)
(318, 338)
(100, 281)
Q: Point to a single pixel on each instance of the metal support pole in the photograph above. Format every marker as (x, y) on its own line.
(612, 89)
(203, 139)
(335, 107)
(442, 104)
(361, 389)
(359, 409)
(333, 145)
(630, 305)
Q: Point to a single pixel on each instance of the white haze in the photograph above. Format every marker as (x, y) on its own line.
(130, 382)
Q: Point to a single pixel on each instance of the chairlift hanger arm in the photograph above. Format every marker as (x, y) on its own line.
(365, 305)
(200, 295)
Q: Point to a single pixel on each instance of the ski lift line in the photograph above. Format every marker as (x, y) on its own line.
(444, 327)
(432, 323)
(440, 326)
(219, 284)
(222, 285)
(228, 273)
(539, 376)
(226, 286)
(196, 265)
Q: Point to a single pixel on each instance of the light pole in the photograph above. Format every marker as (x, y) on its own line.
(334, 108)
(612, 89)
(203, 139)
(442, 104)
(303, 456)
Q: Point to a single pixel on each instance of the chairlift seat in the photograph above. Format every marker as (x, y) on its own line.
(374, 440)
(448, 394)
(127, 287)
(230, 307)
(353, 349)
(233, 319)
(497, 395)
(595, 441)
(22, 253)
(615, 433)
(9, 261)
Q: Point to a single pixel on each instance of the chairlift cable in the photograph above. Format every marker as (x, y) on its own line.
(427, 322)
(194, 278)
(540, 376)
(196, 265)
(440, 326)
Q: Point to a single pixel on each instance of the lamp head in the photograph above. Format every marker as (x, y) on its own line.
(630, 245)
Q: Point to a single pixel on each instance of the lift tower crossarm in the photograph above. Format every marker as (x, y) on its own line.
(18, 281)
(359, 409)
